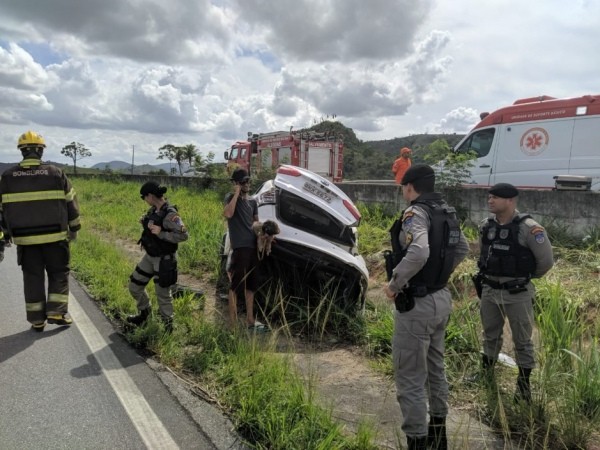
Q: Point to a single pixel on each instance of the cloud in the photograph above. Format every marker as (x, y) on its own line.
(336, 30)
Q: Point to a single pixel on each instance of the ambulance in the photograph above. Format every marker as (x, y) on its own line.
(538, 143)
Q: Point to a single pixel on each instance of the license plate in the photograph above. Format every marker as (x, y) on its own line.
(317, 192)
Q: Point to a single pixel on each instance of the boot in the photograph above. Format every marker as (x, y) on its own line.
(416, 443)
(168, 324)
(436, 433)
(140, 318)
(523, 391)
(486, 373)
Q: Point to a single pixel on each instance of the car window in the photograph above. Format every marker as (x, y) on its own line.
(304, 215)
(479, 142)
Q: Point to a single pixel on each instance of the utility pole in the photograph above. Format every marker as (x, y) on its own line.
(132, 157)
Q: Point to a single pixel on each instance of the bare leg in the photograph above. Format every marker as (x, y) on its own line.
(232, 309)
(250, 308)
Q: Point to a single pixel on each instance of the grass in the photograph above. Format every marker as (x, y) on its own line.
(271, 406)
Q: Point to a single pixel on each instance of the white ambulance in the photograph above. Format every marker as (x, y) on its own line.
(537, 141)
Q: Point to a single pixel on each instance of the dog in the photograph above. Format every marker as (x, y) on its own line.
(265, 235)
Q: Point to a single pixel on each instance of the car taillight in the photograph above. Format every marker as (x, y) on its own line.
(287, 170)
(267, 198)
(350, 207)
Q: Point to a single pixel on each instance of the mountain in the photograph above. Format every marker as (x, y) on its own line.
(121, 166)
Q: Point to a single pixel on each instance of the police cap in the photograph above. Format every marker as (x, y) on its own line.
(152, 187)
(504, 190)
(416, 172)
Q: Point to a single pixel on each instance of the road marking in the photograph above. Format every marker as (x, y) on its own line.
(148, 425)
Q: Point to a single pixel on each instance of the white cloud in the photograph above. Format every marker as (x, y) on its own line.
(115, 74)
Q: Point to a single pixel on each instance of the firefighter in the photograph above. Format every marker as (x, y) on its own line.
(40, 215)
(2, 245)
(162, 230)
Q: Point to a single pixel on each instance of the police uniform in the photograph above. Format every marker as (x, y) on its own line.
(418, 341)
(511, 255)
(159, 262)
(40, 213)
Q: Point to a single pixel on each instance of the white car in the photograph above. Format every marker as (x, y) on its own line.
(316, 252)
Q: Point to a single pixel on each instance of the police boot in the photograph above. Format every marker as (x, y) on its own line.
(485, 373)
(140, 318)
(523, 391)
(416, 443)
(168, 324)
(436, 433)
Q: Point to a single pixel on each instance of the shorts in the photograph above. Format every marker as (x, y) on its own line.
(244, 270)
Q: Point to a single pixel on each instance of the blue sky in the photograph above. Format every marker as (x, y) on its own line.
(119, 73)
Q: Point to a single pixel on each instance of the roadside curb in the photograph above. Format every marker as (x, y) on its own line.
(210, 420)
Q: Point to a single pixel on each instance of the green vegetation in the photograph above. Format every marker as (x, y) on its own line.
(268, 401)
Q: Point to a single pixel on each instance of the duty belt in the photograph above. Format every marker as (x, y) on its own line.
(512, 286)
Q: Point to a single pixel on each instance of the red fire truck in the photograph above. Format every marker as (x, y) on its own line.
(319, 152)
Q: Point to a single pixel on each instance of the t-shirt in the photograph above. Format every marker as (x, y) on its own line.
(240, 224)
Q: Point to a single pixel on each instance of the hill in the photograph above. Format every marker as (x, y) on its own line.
(372, 160)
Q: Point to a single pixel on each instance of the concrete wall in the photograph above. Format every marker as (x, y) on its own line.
(578, 210)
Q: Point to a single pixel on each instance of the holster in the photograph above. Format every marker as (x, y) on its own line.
(404, 301)
(167, 271)
(478, 282)
(391, 261)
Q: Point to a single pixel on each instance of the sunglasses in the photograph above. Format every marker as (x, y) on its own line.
(244, 182)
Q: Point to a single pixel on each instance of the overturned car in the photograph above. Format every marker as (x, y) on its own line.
(315, 254)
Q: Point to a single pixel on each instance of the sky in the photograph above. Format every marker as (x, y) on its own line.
(125, 77)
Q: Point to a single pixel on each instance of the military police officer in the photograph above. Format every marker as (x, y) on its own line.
(514, 249)
(162, 231)
(432, 245)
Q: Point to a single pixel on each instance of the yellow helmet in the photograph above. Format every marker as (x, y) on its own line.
(31, 138)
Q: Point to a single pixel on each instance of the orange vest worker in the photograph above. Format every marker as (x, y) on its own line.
(402, 164)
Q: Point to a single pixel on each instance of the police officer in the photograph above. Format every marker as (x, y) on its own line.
(514, 249)
(162, 231)
(432, 246)
(39, 213)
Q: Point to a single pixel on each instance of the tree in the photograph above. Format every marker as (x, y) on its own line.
(75, 151)
(189, 153)
(172, 152)
(453, 169)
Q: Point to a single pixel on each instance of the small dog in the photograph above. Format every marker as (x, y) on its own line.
(265, 235)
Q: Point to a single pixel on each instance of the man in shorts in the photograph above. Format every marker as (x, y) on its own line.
(241, 212)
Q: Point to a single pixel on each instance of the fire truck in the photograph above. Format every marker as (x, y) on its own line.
(319, 152)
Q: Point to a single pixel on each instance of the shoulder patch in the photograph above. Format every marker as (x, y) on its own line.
(538, 234)
(407, 218)
(537, 229)
(177, 220)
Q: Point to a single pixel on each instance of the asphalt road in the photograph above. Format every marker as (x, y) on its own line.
(84, 387)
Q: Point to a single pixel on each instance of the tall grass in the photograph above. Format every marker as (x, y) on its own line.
(272, 407)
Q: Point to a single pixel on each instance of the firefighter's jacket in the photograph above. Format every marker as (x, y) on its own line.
(37, 203)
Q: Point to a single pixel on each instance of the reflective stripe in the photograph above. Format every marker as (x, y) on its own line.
(34, 307)
(58, 298)
(73, 222)
(70, 195)
(1, 235)
(33, 196)
(30, 162)
(42, 239)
